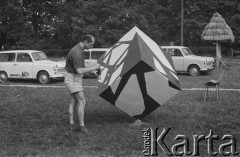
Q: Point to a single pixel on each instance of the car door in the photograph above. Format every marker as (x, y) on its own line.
(178, 59)
(7, 62)
(23, 66)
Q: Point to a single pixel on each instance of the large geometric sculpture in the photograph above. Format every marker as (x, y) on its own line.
(136, 75)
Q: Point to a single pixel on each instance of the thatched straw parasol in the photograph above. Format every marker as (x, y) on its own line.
(217, 30)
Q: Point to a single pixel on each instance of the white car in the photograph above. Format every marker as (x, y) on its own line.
(29, 64)
(185, 61)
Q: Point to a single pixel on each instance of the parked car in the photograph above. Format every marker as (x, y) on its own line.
(91, 56)
(185, 61)
(29, 64)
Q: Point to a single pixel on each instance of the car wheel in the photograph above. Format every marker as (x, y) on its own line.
(43, 77)
(3, 77)
(194, 70)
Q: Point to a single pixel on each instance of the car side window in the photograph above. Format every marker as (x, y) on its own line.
(169, 51)
(177, 52)
(7, 57)
(23, 57)
(86, 55)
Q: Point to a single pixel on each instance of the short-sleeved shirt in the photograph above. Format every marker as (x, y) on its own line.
(75, 59)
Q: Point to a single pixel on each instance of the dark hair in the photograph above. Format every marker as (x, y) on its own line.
(89, 38)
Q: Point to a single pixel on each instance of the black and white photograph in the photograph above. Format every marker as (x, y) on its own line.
(119, 78)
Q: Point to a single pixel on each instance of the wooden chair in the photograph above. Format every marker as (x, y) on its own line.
(213, 83)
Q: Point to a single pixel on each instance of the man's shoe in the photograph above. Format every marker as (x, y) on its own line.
(72, 127)
(83, 130)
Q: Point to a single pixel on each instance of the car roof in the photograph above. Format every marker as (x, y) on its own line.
(97, 49)
(17, 51)
(173, 47)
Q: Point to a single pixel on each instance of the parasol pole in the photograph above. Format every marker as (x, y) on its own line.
(218, 50)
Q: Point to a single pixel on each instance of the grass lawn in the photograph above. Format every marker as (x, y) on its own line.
(34, 121)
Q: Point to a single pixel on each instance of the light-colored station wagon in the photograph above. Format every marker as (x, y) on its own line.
(185, 61)
(91, 56)
(29, 64)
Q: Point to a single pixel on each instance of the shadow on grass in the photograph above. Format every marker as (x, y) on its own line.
(31, 81)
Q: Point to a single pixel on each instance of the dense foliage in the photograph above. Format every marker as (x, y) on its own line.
(58, 24)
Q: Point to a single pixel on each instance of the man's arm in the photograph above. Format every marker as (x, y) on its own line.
(86, 70)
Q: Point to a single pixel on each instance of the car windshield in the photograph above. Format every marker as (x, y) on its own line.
(187, 51)
(39, 56)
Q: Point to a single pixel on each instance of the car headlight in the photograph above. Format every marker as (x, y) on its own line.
(208, 63)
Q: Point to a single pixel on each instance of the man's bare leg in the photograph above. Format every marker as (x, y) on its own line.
(81, 102)
(71, 108)
(80, 107)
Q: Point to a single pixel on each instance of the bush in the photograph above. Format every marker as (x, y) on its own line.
(209, 51)
(204, 51)
(56, 52)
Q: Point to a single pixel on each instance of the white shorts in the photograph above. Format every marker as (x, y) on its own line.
(73, 82)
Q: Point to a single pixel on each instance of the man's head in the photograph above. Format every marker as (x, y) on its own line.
(88, 41)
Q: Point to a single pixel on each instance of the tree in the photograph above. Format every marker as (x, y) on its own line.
(59, 24)
(3, 3)
(41, 15)
(12, 24)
